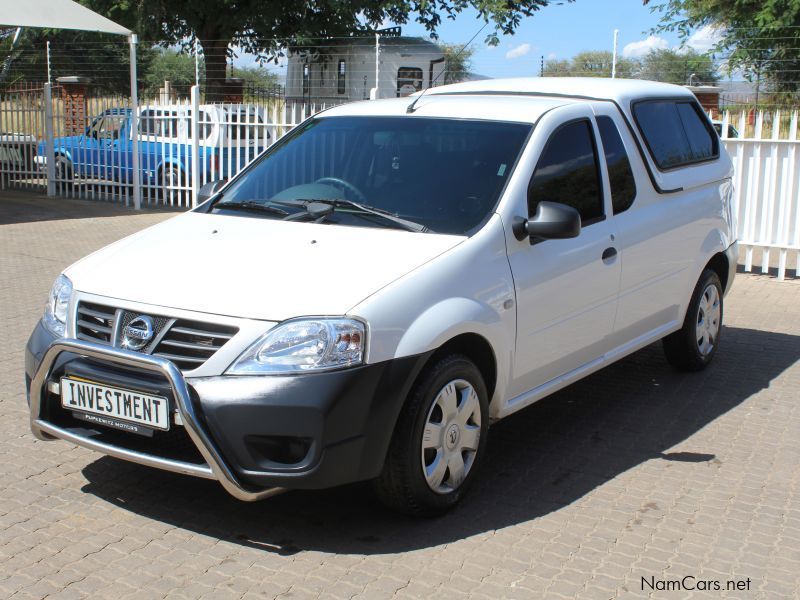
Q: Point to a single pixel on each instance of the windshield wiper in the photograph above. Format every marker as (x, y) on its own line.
(251, 205)
(362, 208)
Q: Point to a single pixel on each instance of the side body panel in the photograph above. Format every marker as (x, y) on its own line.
(468, 289)
(664, 240)
(566, 292)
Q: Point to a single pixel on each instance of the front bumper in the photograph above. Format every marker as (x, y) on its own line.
(256, 435)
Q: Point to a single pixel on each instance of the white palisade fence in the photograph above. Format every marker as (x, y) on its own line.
(767, 186)
(184, 144)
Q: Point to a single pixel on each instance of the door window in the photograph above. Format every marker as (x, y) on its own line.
(148, 125)
(161, 123)
(620, 174)
(567, 172)
(340, 77)
(107, 127)
(409, 80)
(306, 79)
(245, 124)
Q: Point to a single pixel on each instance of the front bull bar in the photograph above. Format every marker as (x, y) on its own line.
(215, 467)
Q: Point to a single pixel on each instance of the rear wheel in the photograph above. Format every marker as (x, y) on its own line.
(439, 441)
(693, 347)
(63, 168)
(172, 180)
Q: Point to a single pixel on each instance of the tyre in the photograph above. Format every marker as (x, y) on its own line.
(63, 169)
(439, 440)
(171, 180)
(693, 346)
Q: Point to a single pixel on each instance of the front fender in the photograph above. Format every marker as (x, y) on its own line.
(444, 321)
(456, 316)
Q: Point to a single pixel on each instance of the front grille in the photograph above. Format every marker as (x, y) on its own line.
(190, 343)
(185, 342)
(95, 322)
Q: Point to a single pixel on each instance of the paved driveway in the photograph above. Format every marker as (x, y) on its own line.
(614, 487)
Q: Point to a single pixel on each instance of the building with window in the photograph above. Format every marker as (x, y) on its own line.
(342, 70)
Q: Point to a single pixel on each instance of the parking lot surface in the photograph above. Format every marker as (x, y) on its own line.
(618, 486)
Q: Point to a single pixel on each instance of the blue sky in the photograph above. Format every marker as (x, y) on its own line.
(556, 31)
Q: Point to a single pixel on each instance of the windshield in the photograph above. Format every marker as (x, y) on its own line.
(444, 175)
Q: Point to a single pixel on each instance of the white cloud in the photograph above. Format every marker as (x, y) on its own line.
(704, 39)
(518, 51)
(639, 49)
(552, 56)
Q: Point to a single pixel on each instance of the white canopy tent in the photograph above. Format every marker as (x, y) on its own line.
(56, 14)
(66, 14)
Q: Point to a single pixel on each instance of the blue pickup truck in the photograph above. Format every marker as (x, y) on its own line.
(231, 135)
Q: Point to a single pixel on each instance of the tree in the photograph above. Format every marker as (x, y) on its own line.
(592, 63)
(263, 28)
(256, 77)
(170, 65)
(458, 61)
(103, 58)
(672, 66)
(760, 37)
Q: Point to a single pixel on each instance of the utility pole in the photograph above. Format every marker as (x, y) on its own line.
(374, 95)
(541, 67)
(196, 62)
(614, 57)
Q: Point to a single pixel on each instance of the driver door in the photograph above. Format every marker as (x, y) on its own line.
(567, 289)
(84, 148)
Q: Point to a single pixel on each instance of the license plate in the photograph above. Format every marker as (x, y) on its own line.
(109, 404)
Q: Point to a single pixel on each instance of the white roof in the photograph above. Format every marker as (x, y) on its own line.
(522, 99)
(56, 14)
(501, 108)
(597, 88)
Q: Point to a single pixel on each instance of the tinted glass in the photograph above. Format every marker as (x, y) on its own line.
(409, 80)
(446, 174)
(567, 173)
(700, 140)
(148, 124)
(244, 124)
(340, 77)
(620, 174)
(674, 132)
(663, 131)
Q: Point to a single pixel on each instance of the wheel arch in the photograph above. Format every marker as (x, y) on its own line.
(720, 265)
(476, 348)
(712, 255)
(464, 326)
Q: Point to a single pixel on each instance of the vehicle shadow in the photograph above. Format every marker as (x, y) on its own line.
(26, 207)
(539, 460)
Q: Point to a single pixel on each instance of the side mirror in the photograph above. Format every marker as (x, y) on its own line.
(209, 189)
(552, 221)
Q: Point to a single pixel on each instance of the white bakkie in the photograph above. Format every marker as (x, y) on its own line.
(388, 279)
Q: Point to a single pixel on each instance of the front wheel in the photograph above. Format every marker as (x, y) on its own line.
(439, 440)
(692, 347)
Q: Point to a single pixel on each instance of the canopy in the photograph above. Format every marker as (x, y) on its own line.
(55, 14)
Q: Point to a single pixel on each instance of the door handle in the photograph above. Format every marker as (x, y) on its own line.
(609, 253)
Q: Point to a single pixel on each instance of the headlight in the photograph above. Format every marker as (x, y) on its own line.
(55, 312)
(304, 345)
